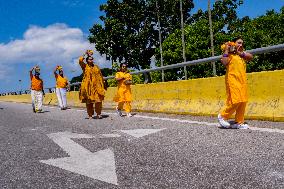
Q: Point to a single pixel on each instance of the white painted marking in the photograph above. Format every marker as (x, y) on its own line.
(204, 123)
(110, 135)
(99, 165)
(193, 122)
(173, 120)
(276, 174)
(179, 120)
(137, 133)
(266, 130)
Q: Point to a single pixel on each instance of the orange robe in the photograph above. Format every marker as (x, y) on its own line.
(92, 86)
(124, 91)
(236, 80)
(61, 82)
(36, 84)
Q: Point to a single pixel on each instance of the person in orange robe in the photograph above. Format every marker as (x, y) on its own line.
(123, 95)
(234, 58)
(61, 87)
(92, 87)
(37, 91)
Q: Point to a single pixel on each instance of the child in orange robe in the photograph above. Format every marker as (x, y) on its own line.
(123, 95)
(234, 58)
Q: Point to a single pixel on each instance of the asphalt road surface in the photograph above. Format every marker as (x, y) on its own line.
(63, 149)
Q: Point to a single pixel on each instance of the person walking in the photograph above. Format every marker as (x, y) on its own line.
(123, 96)
(61, 87)
(37, 91)
(235, 58)
(92, 87)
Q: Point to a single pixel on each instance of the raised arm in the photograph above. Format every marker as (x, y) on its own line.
(31, 73)
(55, 74)
(81, 62)
(225, 56)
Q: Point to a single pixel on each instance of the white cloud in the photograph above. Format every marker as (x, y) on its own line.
(47, 47)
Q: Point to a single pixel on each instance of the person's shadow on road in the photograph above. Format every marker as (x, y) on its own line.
(44, 111)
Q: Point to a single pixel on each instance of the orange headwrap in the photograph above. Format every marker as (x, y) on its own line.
(229, 43)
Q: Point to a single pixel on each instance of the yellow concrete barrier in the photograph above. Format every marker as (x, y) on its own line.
(205, 96)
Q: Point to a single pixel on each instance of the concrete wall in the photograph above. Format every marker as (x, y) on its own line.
(205, 96)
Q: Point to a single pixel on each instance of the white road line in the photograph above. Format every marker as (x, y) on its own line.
(204, 123)
(267, 130)
(173, 120)
(192, 122)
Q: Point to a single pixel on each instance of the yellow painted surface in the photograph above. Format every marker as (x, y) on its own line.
(205, 96)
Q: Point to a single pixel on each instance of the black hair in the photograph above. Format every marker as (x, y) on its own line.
(89, 58)
(237, 38)
(60, 71)
(122, 64)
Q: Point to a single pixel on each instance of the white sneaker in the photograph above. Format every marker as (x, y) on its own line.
(129, 115)
(119, 113)
(222, 122)
(240, 126)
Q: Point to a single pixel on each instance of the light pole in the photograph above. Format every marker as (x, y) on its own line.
(20, 81)
(160, 40)
(211, 37)
(182, 38)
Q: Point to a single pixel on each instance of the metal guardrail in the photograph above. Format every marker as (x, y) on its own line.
(261, 50)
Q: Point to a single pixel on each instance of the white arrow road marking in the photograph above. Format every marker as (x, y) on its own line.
(99, 165)
(137, 133)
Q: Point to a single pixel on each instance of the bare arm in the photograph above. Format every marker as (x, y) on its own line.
(43, 93)
(128, 80)
(118, 78)
(225, 57)
(55, 74)
(245, 55)
(68, 86)
(31, 73)
(81, 62)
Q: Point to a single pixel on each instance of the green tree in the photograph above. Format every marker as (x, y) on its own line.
(77, 79)
(130, 31)
(263, 31)
(197, 38)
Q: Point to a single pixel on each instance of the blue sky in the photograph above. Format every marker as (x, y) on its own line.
(52, 32)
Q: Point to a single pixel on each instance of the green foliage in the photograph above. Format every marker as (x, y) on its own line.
(130, 31)
(77, 79)
(106, 72)
(130, 34)
(262, 31)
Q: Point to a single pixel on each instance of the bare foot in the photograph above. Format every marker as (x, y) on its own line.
(99, 116)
